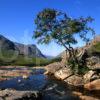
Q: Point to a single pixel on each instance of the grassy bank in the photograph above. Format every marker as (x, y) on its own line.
(27, 61)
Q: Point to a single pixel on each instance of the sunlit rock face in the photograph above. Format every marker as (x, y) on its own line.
(75, 80)
(87, 76)
(63, 73)
(29, 50)
(52, 68)
(10, 94)
(94, 85)
(90, 76)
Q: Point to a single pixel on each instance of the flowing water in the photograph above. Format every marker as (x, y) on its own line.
(37, 81)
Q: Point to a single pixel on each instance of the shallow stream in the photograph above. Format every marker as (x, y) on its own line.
(38, 81)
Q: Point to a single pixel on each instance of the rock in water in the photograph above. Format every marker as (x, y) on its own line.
(25, 77)
(19, 95)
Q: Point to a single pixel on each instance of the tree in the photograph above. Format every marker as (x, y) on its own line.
(59, 27)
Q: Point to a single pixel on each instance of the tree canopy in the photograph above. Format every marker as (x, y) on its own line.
(59, 27)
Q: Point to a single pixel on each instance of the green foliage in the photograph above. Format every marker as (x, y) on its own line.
(83, 70)
(26, 61)
(8, 56)
(57, 59)
(58, 26)
(78, 67)
(12, 58)
(55, 25)
(35, 61)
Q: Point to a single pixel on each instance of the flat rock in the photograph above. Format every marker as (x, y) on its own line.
(52, 68)
(75, 80)
(63, 73)
(84, 97)
(94, 85)
(88, 75)
(18, 95)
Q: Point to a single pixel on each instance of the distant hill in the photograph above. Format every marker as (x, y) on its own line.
(29, 50)
(21, 49)
(12, 52)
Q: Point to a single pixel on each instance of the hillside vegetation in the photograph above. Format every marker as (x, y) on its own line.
(27, 61)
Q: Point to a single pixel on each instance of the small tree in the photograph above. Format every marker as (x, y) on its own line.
(58, 26)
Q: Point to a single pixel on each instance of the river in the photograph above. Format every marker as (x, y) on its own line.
(38, 81)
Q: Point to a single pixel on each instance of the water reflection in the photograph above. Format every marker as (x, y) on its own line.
(34, 82)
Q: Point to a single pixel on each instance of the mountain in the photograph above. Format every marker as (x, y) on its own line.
(29, 50)
(9, 49)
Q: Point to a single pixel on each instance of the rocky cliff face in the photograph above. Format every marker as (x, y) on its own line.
(6, 44)
(7, 47)
(29, 50)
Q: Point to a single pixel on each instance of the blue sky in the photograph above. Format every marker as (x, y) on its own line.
(17, 18)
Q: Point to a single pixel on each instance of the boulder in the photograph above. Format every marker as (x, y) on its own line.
(94, 85)
(63, 73)
(95, 67)
(93, 60)
(83, 96)
(52, 68)
(75, 80)
(10, 94)
(88, 75)
(95, 77)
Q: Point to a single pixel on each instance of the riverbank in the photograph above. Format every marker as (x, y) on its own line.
(8, 72)
(25, 81)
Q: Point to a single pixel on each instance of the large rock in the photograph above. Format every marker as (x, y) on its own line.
(90, 76)
(63, 73)
(87, 76)
(52, 68)
(95, 77)
(19, 95)
(94, 85)
(75, 80)
(93, 62)
(84, 97)
(95, 67)
(10, 49)
(29, 50)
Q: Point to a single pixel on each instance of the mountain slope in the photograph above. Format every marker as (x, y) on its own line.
(12, 52)
(29, 50)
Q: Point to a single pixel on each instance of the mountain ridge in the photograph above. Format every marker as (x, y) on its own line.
(29, 50)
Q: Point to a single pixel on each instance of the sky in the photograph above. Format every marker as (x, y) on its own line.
(17, 19)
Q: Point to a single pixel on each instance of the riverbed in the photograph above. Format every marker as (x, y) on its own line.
(36, 80)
